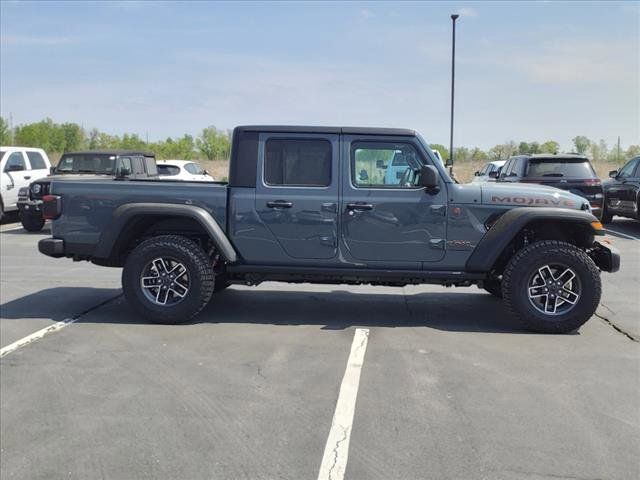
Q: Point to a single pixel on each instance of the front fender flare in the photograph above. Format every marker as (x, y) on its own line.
(124, 213)
(513, 221)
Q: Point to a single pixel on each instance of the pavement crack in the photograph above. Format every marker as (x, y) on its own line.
(345, 432)
(616, 327)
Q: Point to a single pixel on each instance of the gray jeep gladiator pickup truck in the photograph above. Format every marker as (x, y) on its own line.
(315, 204)
(132, 164)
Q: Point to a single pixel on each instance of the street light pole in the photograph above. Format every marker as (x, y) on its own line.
(454, 17)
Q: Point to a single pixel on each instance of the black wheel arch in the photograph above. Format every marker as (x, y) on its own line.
(134, 222)
(507, 234)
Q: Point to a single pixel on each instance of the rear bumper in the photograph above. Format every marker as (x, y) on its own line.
(52, 247)
(606, 257)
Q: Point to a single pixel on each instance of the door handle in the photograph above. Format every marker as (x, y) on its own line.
(279, 204)
(359, 206)
(28, 177)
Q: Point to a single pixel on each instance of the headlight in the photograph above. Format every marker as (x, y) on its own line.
(35, 188)
(597, 195)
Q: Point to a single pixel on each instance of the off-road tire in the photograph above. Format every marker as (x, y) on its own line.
(522, 266)
(199, 271)
(494, 287)
(31, 223)
(607, 217)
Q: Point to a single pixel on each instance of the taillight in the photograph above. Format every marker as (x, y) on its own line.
(51, 207)
(592, 181)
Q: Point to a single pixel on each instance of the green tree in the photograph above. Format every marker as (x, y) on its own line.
(550, 146)
(523, 147)
(478, 155)
(444, 151)
(92, 140)
(503, 151)
(5, 133)
(74, 137)
(214, 144)
(131, 141)
(632, 151)
(581, 144)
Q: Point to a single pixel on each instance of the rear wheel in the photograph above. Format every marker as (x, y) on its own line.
(551, 286)
(168, 279)
(31, 223)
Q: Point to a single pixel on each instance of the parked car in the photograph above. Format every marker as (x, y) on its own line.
(112, 163)
(622, 192)
(297, 209)
(490, 172)
(183, 170)
(565, 171)
(18, 167)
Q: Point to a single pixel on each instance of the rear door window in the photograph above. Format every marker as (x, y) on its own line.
(36, 161)
(297, 162)
(560, 168)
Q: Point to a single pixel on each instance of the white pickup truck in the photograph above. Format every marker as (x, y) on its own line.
(19, 167)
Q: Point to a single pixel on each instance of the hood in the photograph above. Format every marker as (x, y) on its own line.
(530, 195)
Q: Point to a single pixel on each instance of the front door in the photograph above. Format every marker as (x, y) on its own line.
(297, 193)
(387, 218)
(14, 176)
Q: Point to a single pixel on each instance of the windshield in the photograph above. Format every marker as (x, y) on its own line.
(560, 168)
(103, 164)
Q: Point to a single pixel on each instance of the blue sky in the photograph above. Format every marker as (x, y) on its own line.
(525, 71)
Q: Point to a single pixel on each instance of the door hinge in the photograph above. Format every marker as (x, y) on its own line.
(437, 243)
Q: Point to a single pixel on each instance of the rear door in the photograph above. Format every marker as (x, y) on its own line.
(622, 195)
(297, 193)
(388, 220)
(38, 166)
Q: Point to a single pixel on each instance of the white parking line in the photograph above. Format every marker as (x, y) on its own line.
(336, 451)
(36, 336)
(11, 229)
(615, 232)
(12, 347)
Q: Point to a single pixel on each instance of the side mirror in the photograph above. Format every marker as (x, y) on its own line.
(477, 173)
(429, 178)
(52, 170)
(494, 174)
(613, 173)
(364, 176)
(204, 172)
(380, 164)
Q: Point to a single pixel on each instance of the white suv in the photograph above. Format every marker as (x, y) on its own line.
(19, 166)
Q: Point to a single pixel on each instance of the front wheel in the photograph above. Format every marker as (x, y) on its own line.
(31, 223)
(551, 286)
(168, 279)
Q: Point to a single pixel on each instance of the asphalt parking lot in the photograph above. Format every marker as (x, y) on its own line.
(449, 386)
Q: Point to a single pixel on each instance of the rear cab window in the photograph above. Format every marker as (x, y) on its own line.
(297, 162)
(103, 164)
(567, 167)
(36, 161)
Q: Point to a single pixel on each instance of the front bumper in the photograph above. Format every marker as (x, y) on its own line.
(32, 207)
(52, 247)
(606, 257)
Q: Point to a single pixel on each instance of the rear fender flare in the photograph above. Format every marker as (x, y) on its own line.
(123, 214)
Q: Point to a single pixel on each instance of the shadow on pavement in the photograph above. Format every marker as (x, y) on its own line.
(57, 303)
(335, 310)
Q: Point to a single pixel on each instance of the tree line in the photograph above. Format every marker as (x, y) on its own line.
(214, 144)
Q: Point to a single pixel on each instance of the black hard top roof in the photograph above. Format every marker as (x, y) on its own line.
(111, 152)
(335, 130)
